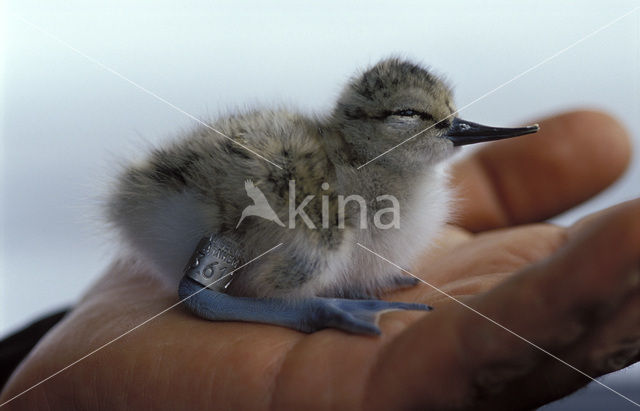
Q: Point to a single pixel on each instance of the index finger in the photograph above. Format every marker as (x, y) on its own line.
(573, 157)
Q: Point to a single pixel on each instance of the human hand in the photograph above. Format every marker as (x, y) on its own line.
(573, 292)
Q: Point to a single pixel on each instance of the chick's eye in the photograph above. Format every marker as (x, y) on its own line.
(407, 113)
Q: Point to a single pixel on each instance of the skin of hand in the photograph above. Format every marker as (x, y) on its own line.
(574, 292)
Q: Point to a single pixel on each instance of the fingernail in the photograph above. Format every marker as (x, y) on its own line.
(621, 358)
(623, 355)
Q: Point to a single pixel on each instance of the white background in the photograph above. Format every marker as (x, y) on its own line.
(67, 124)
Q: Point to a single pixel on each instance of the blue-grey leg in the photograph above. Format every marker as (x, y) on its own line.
(211, 268)
(309, 315)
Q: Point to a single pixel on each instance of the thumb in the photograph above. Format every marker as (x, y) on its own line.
(488, 353)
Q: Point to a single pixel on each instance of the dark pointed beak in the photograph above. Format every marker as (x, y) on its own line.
(464, 132)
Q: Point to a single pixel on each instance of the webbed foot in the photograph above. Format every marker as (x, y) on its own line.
(309, 315)
(216, 259)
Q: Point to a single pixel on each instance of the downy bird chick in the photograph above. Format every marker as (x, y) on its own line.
(274, 203)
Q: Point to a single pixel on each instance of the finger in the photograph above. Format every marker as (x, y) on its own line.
(532, 178)
(617, 345)
(575, 306)
(614, 345)
(499, 251)
(473, 356)
(461, 267)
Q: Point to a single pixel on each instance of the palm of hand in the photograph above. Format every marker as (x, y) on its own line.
(542, 282)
